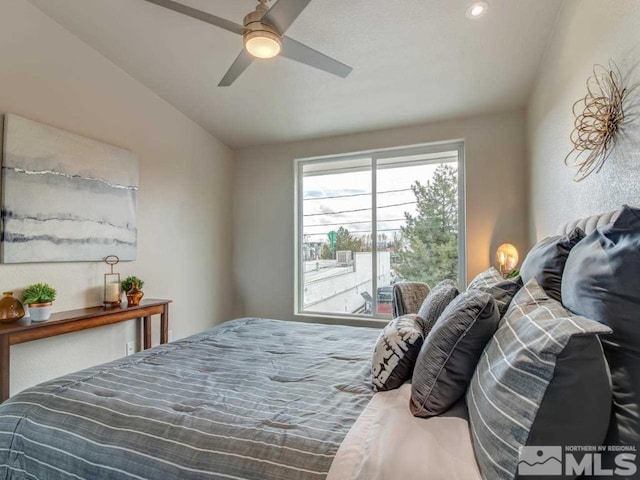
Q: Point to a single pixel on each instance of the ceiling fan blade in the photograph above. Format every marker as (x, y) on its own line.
(199, 15)
(239, 65)
(307, 55)
(283, 14)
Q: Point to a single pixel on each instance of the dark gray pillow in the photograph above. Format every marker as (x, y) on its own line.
(439, 297)
(450, 353)
(500, 288)
(542, 380)
(602, 281)
(547, 259)
(395, 353)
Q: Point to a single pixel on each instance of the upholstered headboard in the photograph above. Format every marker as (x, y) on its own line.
(589, 224)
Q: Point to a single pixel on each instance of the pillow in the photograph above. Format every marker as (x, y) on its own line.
(395, 353)
(408, 296)
(435, 303)
(500, 288)
(602, 281)
(450, 353)
(542, 380)
(546, 261)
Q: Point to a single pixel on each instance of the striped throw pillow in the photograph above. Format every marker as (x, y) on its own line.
(542, 380)
(501, 289)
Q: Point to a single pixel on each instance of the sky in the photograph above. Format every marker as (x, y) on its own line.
(352, 207)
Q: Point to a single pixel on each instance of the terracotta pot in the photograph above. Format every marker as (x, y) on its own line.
(39, 312)
(10, 308)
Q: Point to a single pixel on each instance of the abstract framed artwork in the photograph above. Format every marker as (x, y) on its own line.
(64, 197)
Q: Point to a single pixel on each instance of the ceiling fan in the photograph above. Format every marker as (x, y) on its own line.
(263, 33)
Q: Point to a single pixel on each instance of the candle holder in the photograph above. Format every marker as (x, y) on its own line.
(111, 292)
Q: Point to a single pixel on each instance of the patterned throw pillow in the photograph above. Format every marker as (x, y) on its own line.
(395, 354)
(546, 261)
(450, 353)
(542, 380)
(500, 288)
(438, 299)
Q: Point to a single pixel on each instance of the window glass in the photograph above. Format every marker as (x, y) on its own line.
(353, 245)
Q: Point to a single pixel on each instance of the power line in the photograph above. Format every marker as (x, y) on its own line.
(383, 230)
(357, 194)
(356, 232)
(359, 209)
(359, 231)
(353, 223)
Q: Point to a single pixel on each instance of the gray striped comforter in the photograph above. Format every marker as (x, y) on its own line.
(249, 399)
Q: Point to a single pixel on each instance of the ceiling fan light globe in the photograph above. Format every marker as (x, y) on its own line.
(262, 44)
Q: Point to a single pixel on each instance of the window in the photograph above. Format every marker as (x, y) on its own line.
(368, 220)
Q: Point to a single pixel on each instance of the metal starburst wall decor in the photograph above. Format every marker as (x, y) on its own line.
(598, 117)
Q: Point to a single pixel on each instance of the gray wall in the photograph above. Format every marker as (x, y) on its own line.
(263, 206)
(588, 32)
(184, 214)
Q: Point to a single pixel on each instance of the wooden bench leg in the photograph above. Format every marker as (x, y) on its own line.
(164, 325)
(147, 332)
(4, 367)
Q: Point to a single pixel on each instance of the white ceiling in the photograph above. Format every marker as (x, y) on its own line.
(414, 61)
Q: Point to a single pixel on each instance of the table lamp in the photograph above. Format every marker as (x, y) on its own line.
(507, 258)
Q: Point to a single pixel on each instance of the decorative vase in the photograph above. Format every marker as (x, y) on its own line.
(134, 295)
(10, 308)
(39, 312)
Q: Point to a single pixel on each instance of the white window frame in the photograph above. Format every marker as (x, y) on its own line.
(374, 155)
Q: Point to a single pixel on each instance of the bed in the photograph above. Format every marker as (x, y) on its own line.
(249, 399)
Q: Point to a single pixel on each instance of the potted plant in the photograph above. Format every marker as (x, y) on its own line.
(127, 283)
(39, 297)
(132, 287)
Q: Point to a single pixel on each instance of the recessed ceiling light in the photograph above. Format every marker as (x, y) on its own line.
(477, 9)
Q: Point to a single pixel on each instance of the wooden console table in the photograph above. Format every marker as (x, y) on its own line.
(24, 330)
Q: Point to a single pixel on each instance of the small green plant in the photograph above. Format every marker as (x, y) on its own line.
(127, 283)
(513, 273)
(38, 293)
